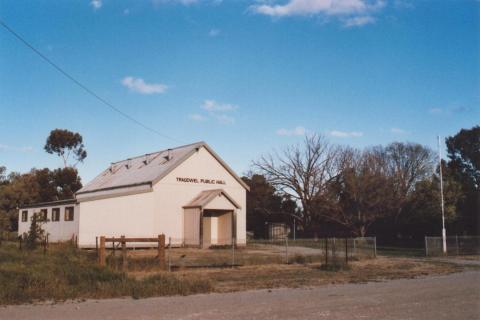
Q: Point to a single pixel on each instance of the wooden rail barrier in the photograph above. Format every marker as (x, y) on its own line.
(123, 241)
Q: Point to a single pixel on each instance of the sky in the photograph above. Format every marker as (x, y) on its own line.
(246, 76)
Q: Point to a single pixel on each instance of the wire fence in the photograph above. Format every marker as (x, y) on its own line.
(220, 253)
(456, 246)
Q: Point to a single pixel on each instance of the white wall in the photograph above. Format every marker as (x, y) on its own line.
(171, 195)
(131, 216)
(57, 230)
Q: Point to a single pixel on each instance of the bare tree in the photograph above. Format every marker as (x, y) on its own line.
(303, 171)
(360, 194)
(407, 164)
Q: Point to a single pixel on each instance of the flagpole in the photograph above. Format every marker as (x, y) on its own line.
(444, 232)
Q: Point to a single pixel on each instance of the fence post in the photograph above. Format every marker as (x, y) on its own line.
(374, 247)
(101, 252)
(124, 254)
(233, 251)
(354, 252)
(20, 242)
(334, 252)
(426, 247)
(456, 241)
(161, 250)
(286, 249)
(346, 250)
(169, 247)
(96, 246)
(326, 251)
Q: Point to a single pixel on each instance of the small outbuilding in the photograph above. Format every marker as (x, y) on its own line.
(187, 193)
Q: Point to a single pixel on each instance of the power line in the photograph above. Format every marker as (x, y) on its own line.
(81, 85)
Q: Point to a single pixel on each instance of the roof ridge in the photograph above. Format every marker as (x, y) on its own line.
(160, 151)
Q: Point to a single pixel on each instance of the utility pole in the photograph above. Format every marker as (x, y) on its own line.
(444, 232)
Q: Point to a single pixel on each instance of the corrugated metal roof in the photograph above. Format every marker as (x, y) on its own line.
(204, 198)
(147, 169)
(140, 170)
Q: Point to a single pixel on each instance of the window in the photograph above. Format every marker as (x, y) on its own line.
(24, 216)
(56, 214)
(43, 214)
(69, 214)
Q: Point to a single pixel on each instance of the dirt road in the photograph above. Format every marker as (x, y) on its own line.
(456, 296)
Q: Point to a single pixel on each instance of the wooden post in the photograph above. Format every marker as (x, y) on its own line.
(124, 254)
(286, 249)
(20, 242)
(346, 250)
(334, 252)
(326, 251)
(456, 242)
(169, 259)
(101, 252)
(96, 246)
(161, 250)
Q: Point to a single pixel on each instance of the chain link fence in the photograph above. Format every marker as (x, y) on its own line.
(257, 252)
(456, 246)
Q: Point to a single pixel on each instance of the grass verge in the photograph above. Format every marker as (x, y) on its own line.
(66, 273)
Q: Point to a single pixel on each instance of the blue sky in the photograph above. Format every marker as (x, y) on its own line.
(245, 76)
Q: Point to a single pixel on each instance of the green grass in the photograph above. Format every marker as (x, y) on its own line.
(67, 273)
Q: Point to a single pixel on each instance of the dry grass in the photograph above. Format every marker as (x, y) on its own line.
(64, 272)
(309, 275)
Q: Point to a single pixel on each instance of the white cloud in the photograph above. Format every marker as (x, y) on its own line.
(217, 111)
(140, 86)
(346, 134)
(297, 131)
(224, 119)
(214, 106)
(398, 131)
(358, 21)
(214, 32)
(5, 147)
(96, 4)
(197, 117)
(315, 7)
(182, 2)
(352, 13)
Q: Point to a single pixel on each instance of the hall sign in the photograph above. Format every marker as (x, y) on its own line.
(197, 180)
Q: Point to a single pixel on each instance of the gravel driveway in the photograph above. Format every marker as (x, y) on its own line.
(455, 296)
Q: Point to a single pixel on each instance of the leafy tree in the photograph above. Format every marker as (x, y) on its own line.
(3, 175)
(265, 205)
(41, 185)
(422, 214)
(464, 154)
(65, 143)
